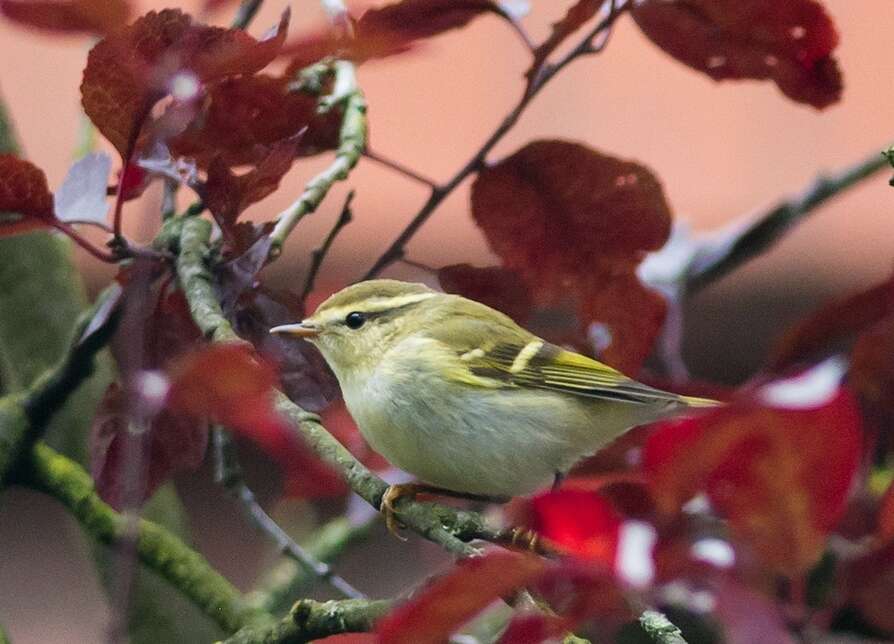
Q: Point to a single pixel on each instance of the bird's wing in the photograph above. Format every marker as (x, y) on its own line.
(542, 365)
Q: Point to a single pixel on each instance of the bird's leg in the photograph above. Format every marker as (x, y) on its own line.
(400, 490)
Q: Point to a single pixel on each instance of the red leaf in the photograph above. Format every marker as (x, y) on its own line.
(885, 528)
(409, 20)
(576, 16)
(227, 195)
(452, 600)
(869, 581)
(789, 42)
(242, 117)
(574, 223)
(780, 473)
(500, 288)
(830, 326)
(26, 202)
(129, 71)
(580, 522)
(89, 16)
(172, 443)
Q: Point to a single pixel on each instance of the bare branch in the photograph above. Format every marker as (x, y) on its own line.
(317, 257)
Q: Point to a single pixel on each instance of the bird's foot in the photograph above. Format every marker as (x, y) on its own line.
(392, 495)
(524, 539)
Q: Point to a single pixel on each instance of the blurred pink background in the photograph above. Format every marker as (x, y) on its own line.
(721, 150)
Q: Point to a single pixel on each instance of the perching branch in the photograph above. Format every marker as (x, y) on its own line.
(747, 239)
(288, 579)
(446, 526)
(157, 549)
(310, 620)
(317, 257)
(352, 141)
(658, 627)
(585, 47)
(229, 474)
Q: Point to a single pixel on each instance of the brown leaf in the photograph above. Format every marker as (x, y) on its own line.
(790, 42)
(575, 223)
(576, 16)
(26, 202)
(409, 20)
(129, 71)
(88, 16)
(227, 195)
(498, 287)
(243, 116)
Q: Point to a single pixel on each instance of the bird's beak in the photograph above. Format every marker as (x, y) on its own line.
(301, 330)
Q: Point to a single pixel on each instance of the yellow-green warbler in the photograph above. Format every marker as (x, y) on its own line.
(459, 395)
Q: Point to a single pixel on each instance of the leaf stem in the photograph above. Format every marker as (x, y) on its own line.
(399, 168)
(396, 250)
(229, 474)
(320, 253)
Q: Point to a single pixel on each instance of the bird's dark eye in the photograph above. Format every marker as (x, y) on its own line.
(355, 320)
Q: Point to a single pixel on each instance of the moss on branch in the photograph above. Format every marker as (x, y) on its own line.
(309, 620)
(156, 548)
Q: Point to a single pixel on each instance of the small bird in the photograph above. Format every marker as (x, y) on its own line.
(460, 396)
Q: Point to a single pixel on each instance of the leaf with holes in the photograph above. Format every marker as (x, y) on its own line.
(575, 223)
(790, 43)
(70, 16)
(778, 463)
(26, 202)
(451, 600)
(129, 71)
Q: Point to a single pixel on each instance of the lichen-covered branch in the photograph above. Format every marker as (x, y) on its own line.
(157, 549)
(309, 620)
(284, 582)
(352, 141)
(658, 627)
(445, 526)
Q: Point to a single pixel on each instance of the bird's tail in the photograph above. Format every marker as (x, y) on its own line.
(691, 401)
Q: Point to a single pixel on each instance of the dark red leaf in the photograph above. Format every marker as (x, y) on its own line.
(450, 601)
(885, 519)
(498, 287)
(26, 202)
(129, 71)
(409, 20)
(790, 42)
(74, 16)
(227, 194)
(172, 443)
(242, 117)
(576, 16)
(828, 328)
(869, 582)
(780, 470)
(574, 224)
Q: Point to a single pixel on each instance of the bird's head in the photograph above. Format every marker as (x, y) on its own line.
(354, 327)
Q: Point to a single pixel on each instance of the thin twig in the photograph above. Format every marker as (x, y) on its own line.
(83, 242)
(90, 222)
(399, 168)
(396, 250)
(229, 474)
(751, 237)
(246, 13)
(317, 257)
(352, 141)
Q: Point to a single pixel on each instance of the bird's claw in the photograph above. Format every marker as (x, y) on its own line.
(392, 495)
